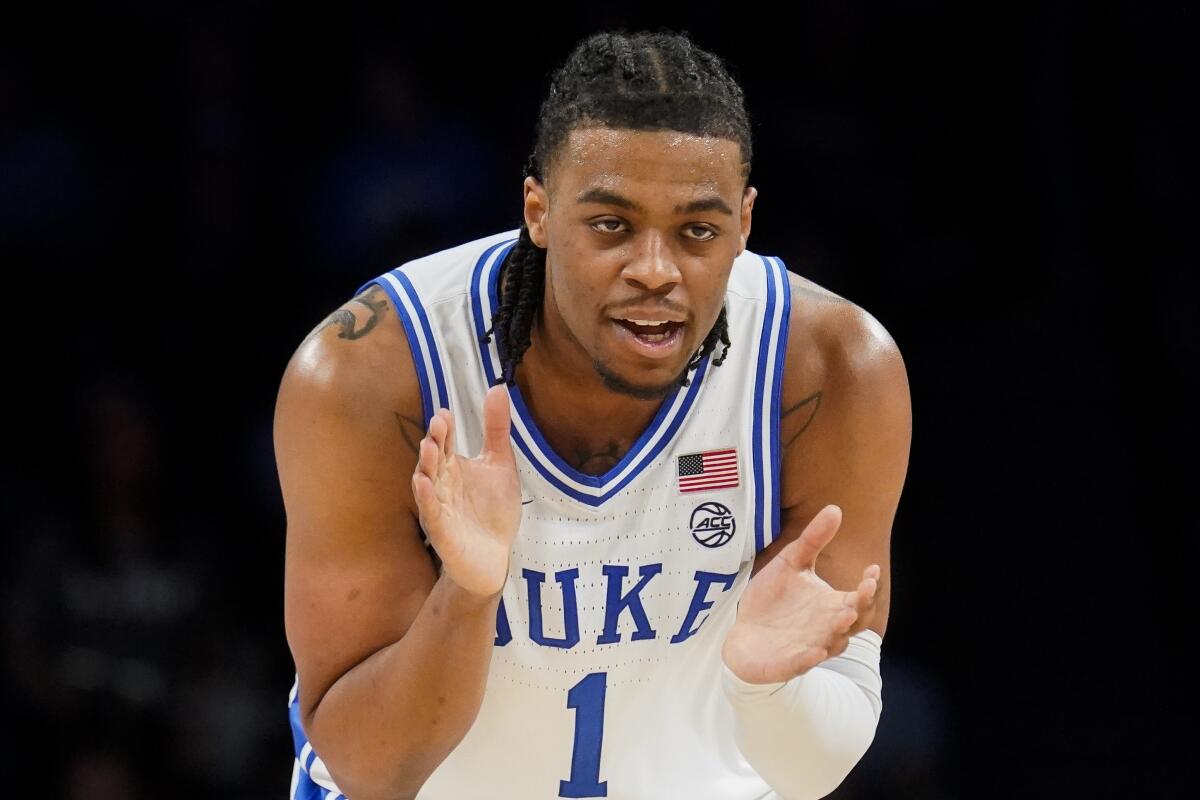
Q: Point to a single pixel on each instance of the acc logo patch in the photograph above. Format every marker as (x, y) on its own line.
(712, 524)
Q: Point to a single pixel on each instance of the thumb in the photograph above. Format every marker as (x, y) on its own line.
(496, 424)
(802, 553)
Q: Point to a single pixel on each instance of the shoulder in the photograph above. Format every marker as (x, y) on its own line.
(347, 428)
(356, 347)
(353, 370)
(836, 346)
(359, 358)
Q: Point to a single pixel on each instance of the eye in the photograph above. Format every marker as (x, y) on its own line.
(608, 225)
(700, 233)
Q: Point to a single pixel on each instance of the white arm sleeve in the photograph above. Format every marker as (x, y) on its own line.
(804, 736)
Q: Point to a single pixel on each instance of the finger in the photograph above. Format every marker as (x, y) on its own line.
(496, 424)
(429, 456)
(425, 495)
(803, 552)
(437, 429)
(867, 591)
(846, 619)
(862, 597)
(447, 444)
(868, 587)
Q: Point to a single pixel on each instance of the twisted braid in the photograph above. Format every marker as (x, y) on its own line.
(641, 81)
(524, 278)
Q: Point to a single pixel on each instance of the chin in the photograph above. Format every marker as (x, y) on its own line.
(620, 384)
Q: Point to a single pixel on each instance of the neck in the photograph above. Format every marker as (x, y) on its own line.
(567, 398)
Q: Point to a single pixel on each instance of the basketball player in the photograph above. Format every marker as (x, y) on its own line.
(599, 507)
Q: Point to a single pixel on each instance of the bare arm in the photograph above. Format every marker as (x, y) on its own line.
(846, 432)
(392, 659)
(802, 658)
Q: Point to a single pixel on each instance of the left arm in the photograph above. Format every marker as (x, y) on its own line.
(846, 427)
(801, 662)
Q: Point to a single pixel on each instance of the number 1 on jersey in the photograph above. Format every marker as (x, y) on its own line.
(587, 698)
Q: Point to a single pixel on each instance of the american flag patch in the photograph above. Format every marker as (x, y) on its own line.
(713, 469)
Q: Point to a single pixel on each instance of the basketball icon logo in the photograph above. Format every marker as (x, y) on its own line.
(712, 524)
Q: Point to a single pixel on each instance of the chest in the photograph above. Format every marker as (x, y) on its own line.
(642, 571)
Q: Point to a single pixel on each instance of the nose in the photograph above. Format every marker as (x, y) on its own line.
(651, 266)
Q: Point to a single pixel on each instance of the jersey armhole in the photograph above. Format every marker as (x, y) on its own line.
(768, 391)
(422, 344)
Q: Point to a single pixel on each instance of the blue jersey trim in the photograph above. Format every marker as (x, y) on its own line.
(597, 481)
(298, 737)
(667, 437)
(307, 790)
(414, 345)
(306, 787)
(669, 418)
(781, 338)
(426, 359)
(760, 377)
(439, 376)
(489, 368)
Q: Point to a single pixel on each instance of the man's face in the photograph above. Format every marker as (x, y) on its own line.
(641, 229)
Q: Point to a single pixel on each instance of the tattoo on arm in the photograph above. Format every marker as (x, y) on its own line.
(373, 298)
(405, 424)
(808, 406)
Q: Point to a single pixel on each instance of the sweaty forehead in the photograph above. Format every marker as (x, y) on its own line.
(611, 157)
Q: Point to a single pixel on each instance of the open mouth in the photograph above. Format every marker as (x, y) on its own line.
(650, 330)
(654, 337)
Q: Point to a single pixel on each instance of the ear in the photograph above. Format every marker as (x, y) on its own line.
(747, 211)
(537, 206)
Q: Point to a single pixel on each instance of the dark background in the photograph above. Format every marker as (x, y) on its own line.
(185, 193)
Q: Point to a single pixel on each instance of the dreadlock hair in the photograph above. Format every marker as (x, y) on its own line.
(642, 81)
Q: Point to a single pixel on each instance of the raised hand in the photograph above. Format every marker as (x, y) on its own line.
(789, 619)
(470, 508)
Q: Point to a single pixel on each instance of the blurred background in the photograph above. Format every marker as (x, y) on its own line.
(186, 191)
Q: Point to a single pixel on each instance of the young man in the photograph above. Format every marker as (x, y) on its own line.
(571, 612)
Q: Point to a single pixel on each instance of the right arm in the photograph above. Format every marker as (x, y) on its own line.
(392, 658)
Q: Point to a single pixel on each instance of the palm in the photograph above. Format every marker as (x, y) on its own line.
(789, 619)
(470, 507)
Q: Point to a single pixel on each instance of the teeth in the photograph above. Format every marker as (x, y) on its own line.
(649, 322)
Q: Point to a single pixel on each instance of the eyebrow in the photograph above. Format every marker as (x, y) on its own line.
(605, 197)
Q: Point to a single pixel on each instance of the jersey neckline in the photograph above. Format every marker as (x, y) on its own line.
(591, 490)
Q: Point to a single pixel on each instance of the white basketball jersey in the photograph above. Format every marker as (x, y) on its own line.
(604, 679)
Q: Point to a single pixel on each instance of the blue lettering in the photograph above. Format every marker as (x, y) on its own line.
(534, 581)
(615, 603)
(704, 580)
(503, 631)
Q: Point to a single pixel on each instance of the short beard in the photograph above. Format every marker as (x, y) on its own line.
(615, 383)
